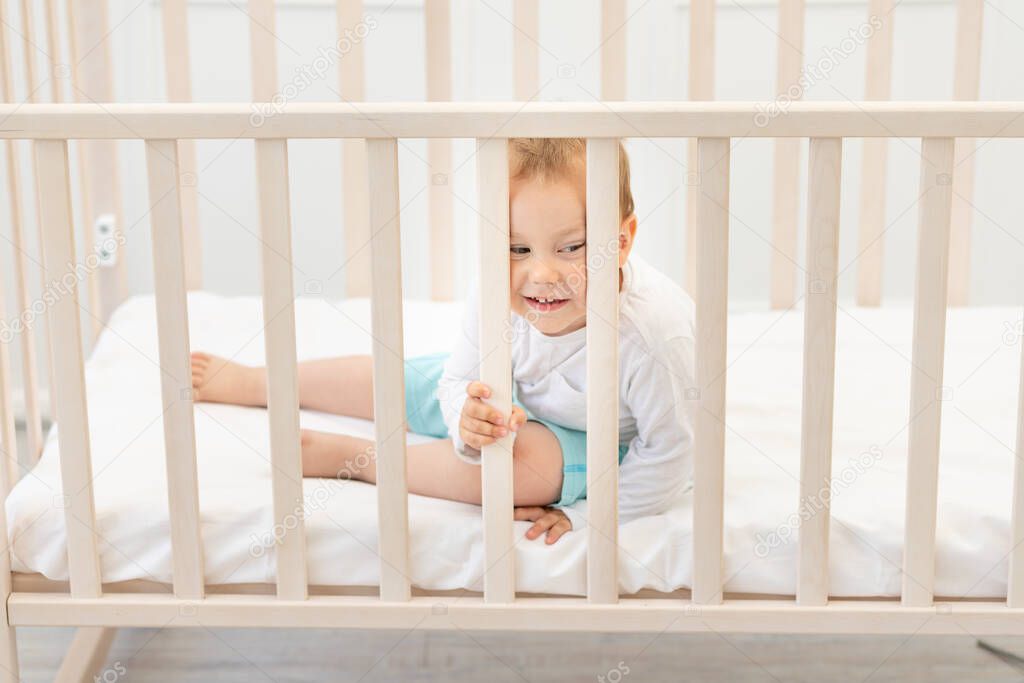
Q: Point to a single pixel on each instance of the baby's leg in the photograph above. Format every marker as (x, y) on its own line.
(434, 470)
(342, 386)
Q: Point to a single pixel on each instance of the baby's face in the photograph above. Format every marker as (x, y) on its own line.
(548, 254)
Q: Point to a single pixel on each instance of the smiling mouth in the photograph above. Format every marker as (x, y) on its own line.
(545, 305)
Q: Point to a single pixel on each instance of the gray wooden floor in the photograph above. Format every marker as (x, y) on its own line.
(284, 655)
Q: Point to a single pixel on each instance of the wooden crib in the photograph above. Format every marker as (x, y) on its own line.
(370, 132)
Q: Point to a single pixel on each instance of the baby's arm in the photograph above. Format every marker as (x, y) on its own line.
(461, 368)
(660, 457)
(472, 424)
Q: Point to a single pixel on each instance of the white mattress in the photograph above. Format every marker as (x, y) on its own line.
(762, 463)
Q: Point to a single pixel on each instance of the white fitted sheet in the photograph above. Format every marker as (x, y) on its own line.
(762, 463)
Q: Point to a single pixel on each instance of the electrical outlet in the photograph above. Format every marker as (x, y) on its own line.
(106, 245)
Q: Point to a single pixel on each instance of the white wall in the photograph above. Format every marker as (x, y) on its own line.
(570, 63)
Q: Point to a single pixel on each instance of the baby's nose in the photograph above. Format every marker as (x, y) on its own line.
(543, 273)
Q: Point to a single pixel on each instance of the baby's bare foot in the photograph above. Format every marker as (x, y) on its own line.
(220, 380)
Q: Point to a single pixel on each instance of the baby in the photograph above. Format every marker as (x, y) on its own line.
(443, 398)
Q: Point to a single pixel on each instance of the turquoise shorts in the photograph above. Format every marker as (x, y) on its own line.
(423, 413)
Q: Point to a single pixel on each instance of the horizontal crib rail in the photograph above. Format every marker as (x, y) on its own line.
(537, 119)
(634, 615)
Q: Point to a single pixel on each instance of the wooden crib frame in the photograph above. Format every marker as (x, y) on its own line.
(370, 132)
(715, 126)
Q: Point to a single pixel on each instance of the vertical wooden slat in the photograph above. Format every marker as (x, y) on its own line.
(970, 15)
(355, 207)
(176, 378)
(179, 89)
(9, 667)
(874, 173)
(824, 170)
(712, 302)
(786, 176)
(526, 17)
(439, 153)
(176, 50)
(1015, 591)
(702, 87)
(613, 50)
(30, 381)
(53, 48)
(936, 194)
(84, 180)
(603, 370)
(8, 435)
(279, 317)
(437, 14)
(56, 80)
(9, 670)
(33, 409)
(282, 367)
(69, 367)
(442, 243)
(28, 55)
(262, 50)
(92, 78)
(496, 366)
(389, 369)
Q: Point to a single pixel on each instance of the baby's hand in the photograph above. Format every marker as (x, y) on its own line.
(483, 424)
(552, 520)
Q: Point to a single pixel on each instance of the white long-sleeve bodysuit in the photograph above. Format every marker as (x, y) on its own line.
(657, 397)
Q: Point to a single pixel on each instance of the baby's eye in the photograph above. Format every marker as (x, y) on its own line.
(520, 250)
(575, 247)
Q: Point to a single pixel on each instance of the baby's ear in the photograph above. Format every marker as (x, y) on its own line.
(627, 235)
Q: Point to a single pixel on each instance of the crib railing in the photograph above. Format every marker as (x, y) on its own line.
(715, 126)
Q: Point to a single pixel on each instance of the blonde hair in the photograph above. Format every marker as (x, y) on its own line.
(563, 159)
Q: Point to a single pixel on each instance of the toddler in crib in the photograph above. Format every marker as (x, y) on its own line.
(443, 397)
